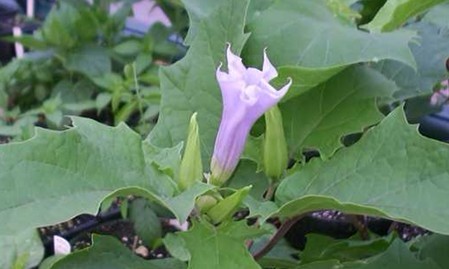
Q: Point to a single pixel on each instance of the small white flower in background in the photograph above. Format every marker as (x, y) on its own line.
(247, 95)
(441, 96)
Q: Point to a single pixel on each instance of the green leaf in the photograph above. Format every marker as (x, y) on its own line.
(73, 94)
(253, 151)
(182, 205)
(108, 252)
(310, 44)
(58, 28)
(397, 256)
(321, 247)
(434, 247)
(256, 8)
(128, 47)
(343, 11)
(72, 172)
(437, 15)
(281, 256)
(430, 54)
(102, 100)
(176, 246)
(198, 10)
(24, 249)
(225, 208)
(219, 247)
(190, 85)
(29, 41)
(109, 81)
(8, 71)
(396, 12)
(91, 61)
(349, 2)
(50, 261)
(166, 160)
(146, 223)
(345, 104)
(391, 172)
(245, 175)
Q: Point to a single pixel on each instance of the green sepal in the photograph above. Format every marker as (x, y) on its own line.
(226, 207)
(191, 169)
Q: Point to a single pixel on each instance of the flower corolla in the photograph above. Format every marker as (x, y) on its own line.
(246, 95)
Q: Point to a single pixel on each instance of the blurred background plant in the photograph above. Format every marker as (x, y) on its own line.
(85, 59)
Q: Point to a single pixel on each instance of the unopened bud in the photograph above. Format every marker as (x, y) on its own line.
(205, 202)
(191, 168)
(275, 155)
(225, 208)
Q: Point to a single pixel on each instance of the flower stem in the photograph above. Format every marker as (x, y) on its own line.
(270, 190)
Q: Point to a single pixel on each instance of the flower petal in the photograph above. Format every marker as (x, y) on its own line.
(236, 69)
(268, 70)
(253, 76)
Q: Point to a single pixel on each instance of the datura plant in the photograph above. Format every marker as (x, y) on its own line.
(283, 141)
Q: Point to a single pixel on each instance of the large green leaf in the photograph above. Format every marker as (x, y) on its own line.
(391, 172)
(438, 15)
(396, 12)
(219, 247)
(190, 85)
(109, 253)
(198, 10)
(435, 247)
(320, 247)
(430, 54)
(310, 44)
(23, 250)
(344, 104)
(58, 175)
(396, 256)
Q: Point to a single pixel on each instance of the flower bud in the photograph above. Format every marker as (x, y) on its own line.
(225, 208)
(205, 202)
(191, 168)
(275, 155)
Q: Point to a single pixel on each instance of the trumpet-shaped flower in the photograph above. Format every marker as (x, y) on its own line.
(247, 95)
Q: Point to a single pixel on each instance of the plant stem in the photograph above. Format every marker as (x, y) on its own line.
(139, 97)
(288, 223)
(270, 191)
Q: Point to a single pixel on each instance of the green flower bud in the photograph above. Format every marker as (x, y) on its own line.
(205, 202)
(225, 208)
(191, 168)
(275, 155)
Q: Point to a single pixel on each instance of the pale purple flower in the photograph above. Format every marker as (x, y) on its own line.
(441, 96)
(247, 95)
